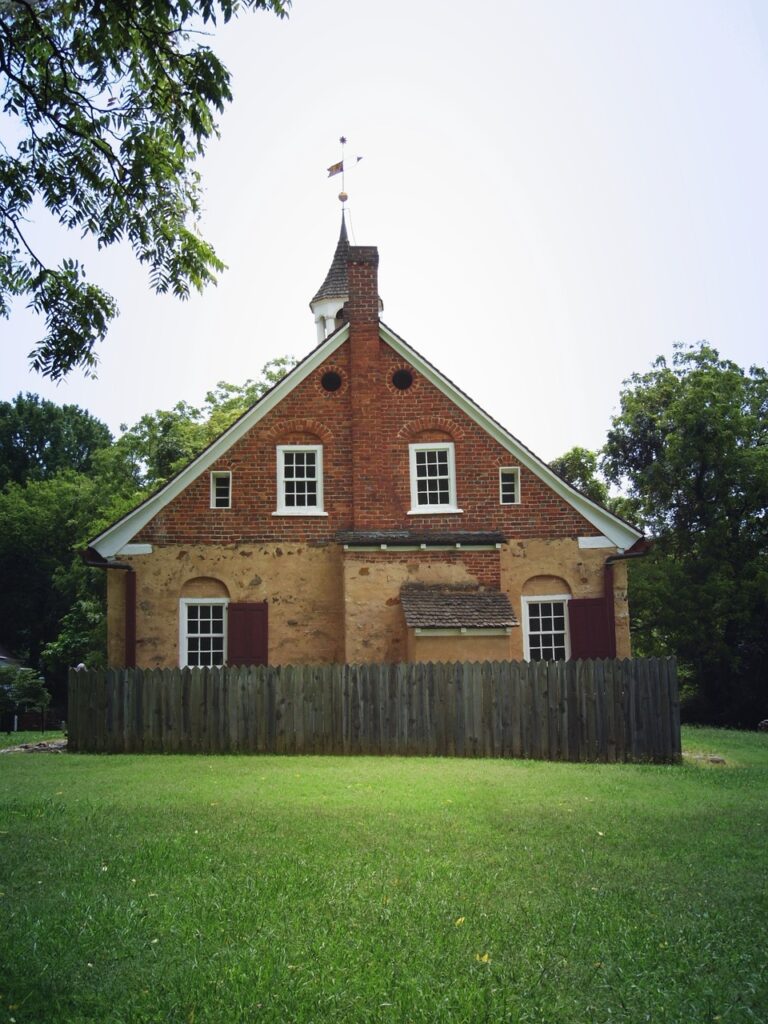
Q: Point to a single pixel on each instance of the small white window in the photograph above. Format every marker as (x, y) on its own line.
(546, 628)
(203, 631)
(300, 480)
(509, 485)
(221, 490)
(433, 478)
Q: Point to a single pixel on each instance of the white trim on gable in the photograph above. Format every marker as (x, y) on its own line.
(120, 533)
(620, 534)
(616, 532)
(595, 542)
(136, 549)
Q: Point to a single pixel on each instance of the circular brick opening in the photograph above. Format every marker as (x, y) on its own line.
(402, 379)
(331, 381)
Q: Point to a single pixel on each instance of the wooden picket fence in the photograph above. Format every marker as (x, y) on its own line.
(602, 710)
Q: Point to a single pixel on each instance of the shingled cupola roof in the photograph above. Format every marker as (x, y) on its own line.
(333, 293)
(335, 285)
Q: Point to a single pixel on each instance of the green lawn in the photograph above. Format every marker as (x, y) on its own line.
(227, 890)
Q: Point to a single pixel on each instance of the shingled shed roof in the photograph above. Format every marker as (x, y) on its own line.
(335, 285)
(443, 606)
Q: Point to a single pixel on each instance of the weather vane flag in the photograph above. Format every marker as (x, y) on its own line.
(338, 168)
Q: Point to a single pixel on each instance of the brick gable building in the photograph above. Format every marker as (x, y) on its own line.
(364, 509)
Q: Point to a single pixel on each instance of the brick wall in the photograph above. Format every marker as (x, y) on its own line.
(385, 422)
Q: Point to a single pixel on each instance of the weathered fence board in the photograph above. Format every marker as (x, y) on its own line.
(599, 710)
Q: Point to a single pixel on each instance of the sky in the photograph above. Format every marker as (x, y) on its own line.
(559, 192)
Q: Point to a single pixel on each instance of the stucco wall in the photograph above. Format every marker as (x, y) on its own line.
(375, 625)
(459, 648)
(583, 569)
(301, 584)
(328, 605)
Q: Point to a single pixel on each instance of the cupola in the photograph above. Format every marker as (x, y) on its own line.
(328, 303)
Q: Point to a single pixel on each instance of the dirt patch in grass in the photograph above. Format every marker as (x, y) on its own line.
(42, 747)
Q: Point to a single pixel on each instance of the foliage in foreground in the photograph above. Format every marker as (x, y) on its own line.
(112, 103)
(345, 890)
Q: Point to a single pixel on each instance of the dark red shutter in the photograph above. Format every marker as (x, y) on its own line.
(247, 641)
(592, 635)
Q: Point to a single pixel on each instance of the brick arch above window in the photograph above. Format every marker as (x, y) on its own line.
(505, 459)
(204, 586)
(425, 436)
(431, 428)
(300, 431)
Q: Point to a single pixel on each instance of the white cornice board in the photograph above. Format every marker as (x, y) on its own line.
(120, 533)
(620, 534)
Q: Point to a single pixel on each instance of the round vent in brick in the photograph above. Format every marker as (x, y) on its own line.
(331, 381)
(402, 379)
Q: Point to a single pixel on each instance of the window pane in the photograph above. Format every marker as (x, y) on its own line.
(508, 486)
(221, 488)
(433, 481)
(205, 634)
(546, 630)
(300, 479)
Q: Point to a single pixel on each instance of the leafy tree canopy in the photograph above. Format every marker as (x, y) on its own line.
(52, 605)
(690, 445)
(161, 443)
(23, 689)
(114, 102)
(39, 438)
(579, 467)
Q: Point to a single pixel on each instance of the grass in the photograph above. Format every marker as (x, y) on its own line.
(191, 890)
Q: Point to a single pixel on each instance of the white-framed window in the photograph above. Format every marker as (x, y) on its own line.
(202, 631)
(509, 485)
(300, 480)
(546, 628)
(221, 489)
(433, 478)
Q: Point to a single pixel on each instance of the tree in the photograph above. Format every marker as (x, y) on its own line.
(579, 467)
(23, 689)
(690, 445)
(44, 522)
(114, 103)
(39, 438)
(52, 605)
(163, 442)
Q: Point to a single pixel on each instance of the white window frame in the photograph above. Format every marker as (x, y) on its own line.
(221, 475)
(422, 510)
(538, 599)
(513, 471)
(184, 604)
(301, 510)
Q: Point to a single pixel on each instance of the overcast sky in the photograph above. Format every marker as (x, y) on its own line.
(559, 191)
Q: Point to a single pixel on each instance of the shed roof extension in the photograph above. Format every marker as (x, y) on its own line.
(443, 606)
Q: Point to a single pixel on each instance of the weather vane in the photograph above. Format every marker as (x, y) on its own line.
(339, 169)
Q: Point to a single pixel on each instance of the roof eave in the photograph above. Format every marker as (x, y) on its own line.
(621, 534)
(115, 537)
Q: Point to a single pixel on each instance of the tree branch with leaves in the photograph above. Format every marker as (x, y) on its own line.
(114, 102)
